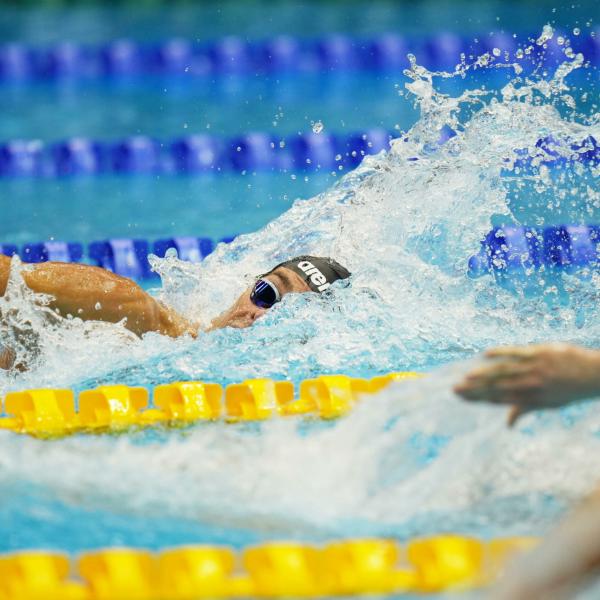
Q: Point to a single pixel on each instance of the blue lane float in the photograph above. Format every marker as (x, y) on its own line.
(251, 152)
(332, 53)
(193, 154)
(124, 256)
(513, 249)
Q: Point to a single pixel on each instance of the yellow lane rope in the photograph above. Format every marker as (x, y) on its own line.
(52, 412)
(270, 570)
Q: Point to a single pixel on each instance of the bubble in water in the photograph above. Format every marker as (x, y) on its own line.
(483, 60)
(496, 52)
(547, 34)
(560, 40)
(317, 127)
(519, 53)
(97, 306)
(576, 31)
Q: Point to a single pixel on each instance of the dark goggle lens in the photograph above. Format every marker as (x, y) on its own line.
(263, 294)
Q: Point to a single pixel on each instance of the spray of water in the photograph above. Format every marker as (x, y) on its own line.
(414, 459)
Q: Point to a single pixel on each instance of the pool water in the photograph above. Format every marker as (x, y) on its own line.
(412, 461)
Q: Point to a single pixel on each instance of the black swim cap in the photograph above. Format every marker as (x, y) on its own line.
(319, 273)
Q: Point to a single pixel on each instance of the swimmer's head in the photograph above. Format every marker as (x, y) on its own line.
(298, 275)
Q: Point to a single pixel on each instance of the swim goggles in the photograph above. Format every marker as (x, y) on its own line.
(264, 294)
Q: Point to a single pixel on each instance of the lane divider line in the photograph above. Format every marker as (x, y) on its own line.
(191, 155)
(50, 413)
(269, 570)
(188, 60)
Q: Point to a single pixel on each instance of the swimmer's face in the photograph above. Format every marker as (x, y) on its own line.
(244, 312)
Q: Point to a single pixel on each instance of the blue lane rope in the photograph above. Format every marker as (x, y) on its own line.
(124, 256)
(514, 249)
(252, 152)
(504, 250)
(334, 52)
(191, 154)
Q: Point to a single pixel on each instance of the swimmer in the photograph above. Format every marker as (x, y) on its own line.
(534, 377)
(95, 294)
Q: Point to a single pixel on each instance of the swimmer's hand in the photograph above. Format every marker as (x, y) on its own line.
(534, 377)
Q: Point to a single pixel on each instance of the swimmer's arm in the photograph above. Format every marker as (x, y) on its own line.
(534, 377)
(95, 294)
(564, 561)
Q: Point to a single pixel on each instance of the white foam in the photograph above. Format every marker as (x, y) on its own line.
(414, 457)
(405, 228)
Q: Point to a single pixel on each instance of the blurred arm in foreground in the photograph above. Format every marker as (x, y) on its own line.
(531, 378)
(566, 561)
(534, 377)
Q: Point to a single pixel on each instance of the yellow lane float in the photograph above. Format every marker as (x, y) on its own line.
(271, 570)
(52, 413)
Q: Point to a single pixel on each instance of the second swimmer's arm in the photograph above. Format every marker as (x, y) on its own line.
(535, 377)
(92, 293)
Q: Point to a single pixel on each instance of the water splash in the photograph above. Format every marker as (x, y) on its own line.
(405, 223)
(410, 461)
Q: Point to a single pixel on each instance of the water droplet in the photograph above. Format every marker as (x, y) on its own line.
(547, 34)
(317, 127)
(97, 306)
(483, 60)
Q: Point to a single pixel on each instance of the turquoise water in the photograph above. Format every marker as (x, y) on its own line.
(412, 461)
